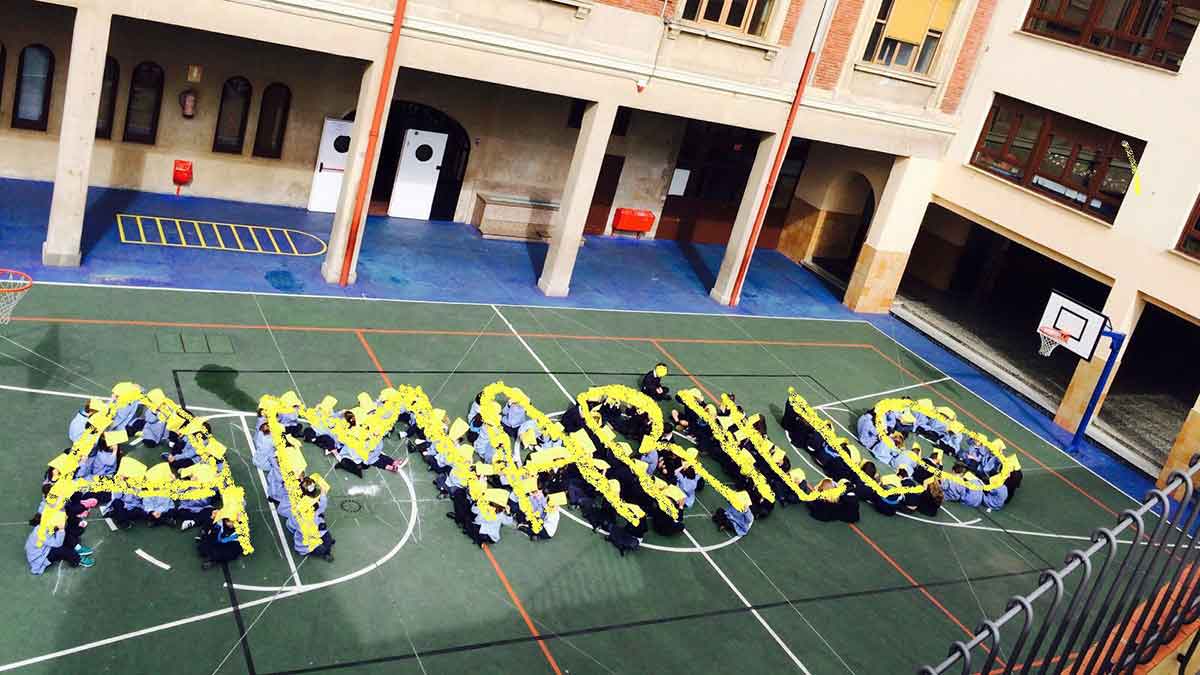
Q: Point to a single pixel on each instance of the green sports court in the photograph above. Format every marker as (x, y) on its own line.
(408, 593)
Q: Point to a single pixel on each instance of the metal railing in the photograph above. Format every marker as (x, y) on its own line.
(1104, 611)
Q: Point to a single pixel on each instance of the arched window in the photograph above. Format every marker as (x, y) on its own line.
(231, 120)
(108, 98)
(272, 121)
(35, 78)
(145, 101)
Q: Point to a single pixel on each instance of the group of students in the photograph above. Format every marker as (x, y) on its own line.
(132, 424)
(976, 460)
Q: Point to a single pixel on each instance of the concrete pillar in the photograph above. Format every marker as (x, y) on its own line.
(1187, 444)
(343, 217)
(567, 232)
(1124, 308)
(739, 237)
(77, 136)
(894, 228)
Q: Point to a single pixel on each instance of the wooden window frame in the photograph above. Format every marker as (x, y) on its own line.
(106, 132)
(43, 120)
(260, 149)
(1107, 151)
(1157, 44)
(873, 53)
(1191, 232)
(720, 22)
(137, 137)
(233, 148)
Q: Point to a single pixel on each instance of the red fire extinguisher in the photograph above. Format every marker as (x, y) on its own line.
(182, 174)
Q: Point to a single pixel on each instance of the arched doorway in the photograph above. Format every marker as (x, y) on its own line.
(407, 115)
(849, 207)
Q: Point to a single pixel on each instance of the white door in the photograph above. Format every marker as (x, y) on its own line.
(332, 156)
(417, 176)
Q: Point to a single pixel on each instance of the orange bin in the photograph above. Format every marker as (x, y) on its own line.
(633, 220)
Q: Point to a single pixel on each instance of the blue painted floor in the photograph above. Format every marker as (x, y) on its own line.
(419, 260)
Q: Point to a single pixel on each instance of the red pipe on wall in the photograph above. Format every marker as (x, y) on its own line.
(780, 154)
(385, 85)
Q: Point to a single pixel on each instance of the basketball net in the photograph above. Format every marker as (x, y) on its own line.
(13, 286)
(1051, 338)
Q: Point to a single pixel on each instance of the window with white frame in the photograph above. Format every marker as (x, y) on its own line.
(906, 34)
(744, 16)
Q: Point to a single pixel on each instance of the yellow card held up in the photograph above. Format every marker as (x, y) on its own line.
(159, 473)
(131, 468)
(496, 496)
(483, 469)
(61, 462)
(558, 499)
(365, 401)
(114, 438)
(458, 429)
(55, 519)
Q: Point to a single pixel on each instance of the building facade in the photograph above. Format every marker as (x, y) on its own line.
(1025, 118)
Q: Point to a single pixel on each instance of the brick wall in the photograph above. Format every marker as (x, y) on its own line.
(837, 43)
(655, 7)
(968, 56)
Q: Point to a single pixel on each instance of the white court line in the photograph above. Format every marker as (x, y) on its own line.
(881, 393)
(280, 592)
(86, 397)
(275, 518)
(695, 544)
(112, 527)
(151, 559)
(1048, 441)
(364, 298)
(753, 611)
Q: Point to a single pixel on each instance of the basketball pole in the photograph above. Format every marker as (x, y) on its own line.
(1118, 340)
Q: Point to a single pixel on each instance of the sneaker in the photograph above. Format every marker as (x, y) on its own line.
(394, 467)
(86, 562)
(186, 524)
(83, 550)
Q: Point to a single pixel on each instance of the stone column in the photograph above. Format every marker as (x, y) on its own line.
(1187, 444)
(1123, 308)
(567, 232)
(343, 217)
(739, 237)
(893, 230)
(77, 136)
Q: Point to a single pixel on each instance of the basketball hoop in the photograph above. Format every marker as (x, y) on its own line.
(13, 286)
(1051, 338)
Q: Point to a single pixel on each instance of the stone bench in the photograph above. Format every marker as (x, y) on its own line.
(512, 217)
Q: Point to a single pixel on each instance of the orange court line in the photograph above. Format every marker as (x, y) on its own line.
(908, 577)
(680, 368)
(521, 608)
(491, 558)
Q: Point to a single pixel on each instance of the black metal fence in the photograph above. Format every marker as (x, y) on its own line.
(1110, 607)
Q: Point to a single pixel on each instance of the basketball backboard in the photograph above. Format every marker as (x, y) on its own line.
(1081, 324)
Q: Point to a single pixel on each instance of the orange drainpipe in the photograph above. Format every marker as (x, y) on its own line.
(781, 153)
(385, 84)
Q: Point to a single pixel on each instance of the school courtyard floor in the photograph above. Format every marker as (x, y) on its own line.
(408, 593)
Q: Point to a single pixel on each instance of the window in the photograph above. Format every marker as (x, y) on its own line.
(3, 61)
(1189, 243)
(1157, 32)
(745, 16)
(145, 102)
(108, 98)
(620, 122)
(35, 79)
(906, 33)
(272, 121)
(1074, 162)
(231, 118)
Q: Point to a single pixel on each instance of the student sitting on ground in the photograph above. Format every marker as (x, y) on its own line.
(827, 508)
(652, 383)
(737, 517)
(58, 546)
(956, 492)
(512, 417)
(487, 531)
(218, 543)
(890, 504)
(316, 496)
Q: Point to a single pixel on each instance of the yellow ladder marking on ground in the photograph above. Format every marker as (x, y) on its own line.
(302, 243)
